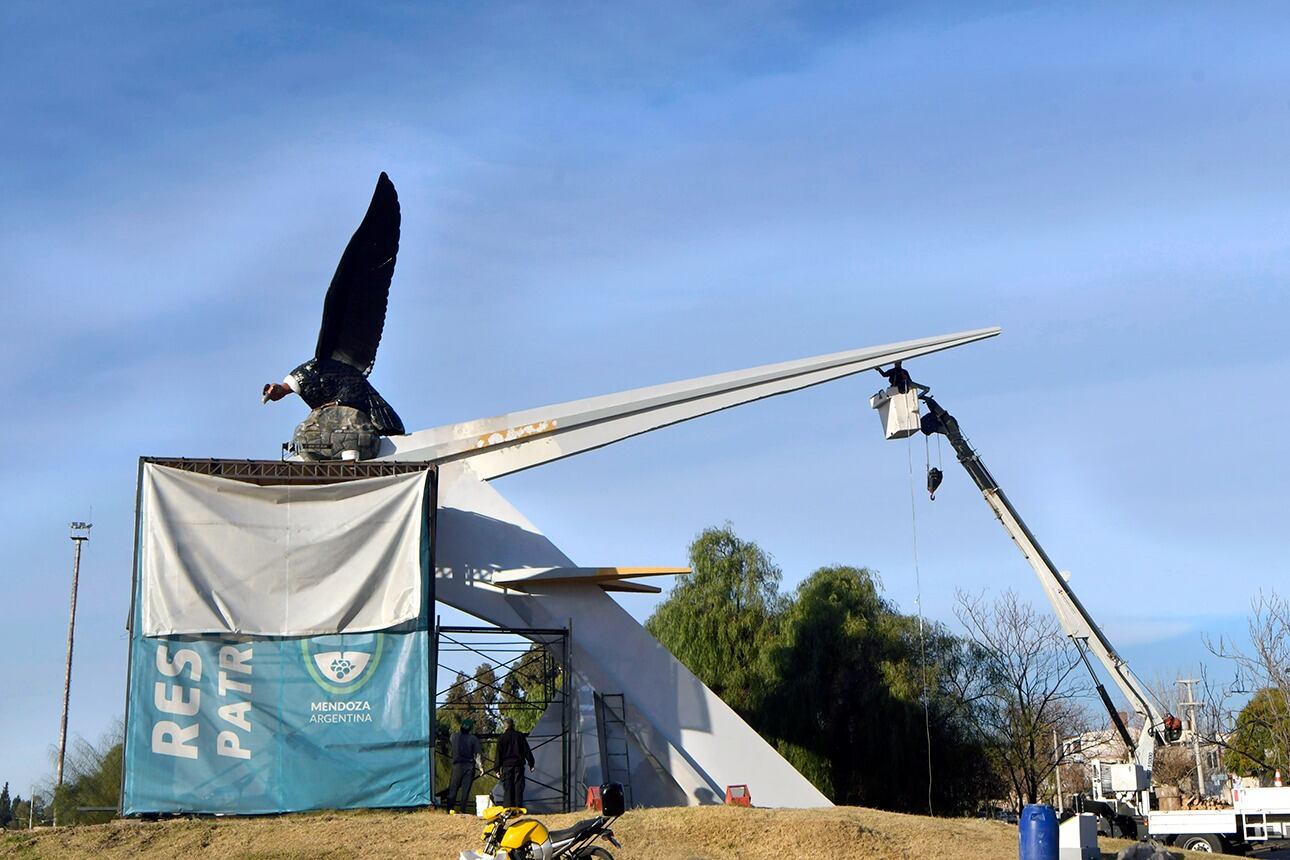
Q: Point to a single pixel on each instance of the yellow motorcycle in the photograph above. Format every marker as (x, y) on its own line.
(510, 836)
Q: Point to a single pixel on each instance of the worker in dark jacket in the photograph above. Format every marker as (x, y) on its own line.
(512, 754)
(467, 756)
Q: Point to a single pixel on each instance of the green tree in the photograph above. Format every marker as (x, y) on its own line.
(475, 697)
(6, 807)
(1256, 745)
(91, 779)
(456, 701)
(483, 698)
(722, 620)
(848, 708)
(834, 677)
(532, 682)
(22, 812)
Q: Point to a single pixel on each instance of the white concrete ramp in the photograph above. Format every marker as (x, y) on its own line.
(673, 719)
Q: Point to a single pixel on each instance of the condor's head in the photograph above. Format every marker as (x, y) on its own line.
(274, 391)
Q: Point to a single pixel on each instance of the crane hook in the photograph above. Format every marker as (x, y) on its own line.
(934, 478)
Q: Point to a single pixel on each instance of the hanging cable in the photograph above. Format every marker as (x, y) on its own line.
(922, 641)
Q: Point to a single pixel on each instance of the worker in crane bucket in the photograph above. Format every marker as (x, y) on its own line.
(900, 379)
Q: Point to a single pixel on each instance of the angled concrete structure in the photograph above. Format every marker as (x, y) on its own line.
(684, 744)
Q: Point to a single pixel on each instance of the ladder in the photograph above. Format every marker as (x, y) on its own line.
(613, 733)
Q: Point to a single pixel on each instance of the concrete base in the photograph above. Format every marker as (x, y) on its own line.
(332, 432)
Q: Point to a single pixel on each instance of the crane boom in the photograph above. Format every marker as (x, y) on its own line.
(1157, 724)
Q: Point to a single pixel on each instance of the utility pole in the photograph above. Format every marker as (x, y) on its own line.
(1057, 768)
(80, 534)
(1190, 704)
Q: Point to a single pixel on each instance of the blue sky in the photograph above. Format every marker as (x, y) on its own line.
(596, 198)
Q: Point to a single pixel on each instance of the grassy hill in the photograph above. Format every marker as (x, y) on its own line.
(710, 833)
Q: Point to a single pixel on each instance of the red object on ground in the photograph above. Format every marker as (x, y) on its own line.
(738, 795)
(593, 798)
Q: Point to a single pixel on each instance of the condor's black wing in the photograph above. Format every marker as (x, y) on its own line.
(354, 312)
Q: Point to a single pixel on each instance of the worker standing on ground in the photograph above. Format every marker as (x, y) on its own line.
(467, 759)
(512, 754)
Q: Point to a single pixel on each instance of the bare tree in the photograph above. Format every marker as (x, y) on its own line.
(1174, 766)
(1260, 739)
(1030, 688)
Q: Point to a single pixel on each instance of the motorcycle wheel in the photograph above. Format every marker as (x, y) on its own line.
(594, 851)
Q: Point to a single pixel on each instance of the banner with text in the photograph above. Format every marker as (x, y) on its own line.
(305, 718)
(241, 725)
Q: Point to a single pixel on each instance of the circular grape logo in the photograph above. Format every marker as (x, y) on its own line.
(342, 663)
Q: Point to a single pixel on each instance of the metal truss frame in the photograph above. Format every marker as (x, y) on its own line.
(503, 650)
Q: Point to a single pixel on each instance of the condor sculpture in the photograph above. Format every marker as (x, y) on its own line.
(334, 382)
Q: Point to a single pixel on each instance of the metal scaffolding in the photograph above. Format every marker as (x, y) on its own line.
(291, 471)
(530, 678)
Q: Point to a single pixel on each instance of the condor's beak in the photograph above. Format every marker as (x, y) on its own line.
(274, 391)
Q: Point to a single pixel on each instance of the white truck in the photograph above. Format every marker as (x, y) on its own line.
(1121, 792)
(1258, 816)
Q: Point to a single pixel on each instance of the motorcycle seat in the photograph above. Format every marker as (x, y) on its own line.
(570, 832)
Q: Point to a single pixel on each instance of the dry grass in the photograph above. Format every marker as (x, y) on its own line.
(709, 833)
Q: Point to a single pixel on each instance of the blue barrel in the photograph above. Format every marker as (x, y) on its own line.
(1037, 832)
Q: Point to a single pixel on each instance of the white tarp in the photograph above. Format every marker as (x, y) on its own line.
(224, 556)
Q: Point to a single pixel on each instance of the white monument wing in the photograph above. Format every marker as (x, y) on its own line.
(521, 440)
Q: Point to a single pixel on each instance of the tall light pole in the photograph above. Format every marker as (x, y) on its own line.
(80, 534)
